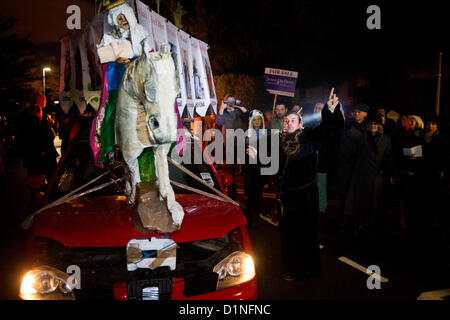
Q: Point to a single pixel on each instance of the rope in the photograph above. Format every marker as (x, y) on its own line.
(27, 223)
(182, 168)
(179, 185)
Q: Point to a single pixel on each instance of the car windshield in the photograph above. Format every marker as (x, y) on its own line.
(78, 168)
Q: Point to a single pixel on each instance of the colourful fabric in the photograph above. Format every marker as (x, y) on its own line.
(115, 71)
(147, 170)
(94, 137)
(107, 137)
(103, 143)
(181, 139)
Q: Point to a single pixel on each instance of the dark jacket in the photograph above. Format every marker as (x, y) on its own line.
(299, 196)
(233, 120)
(364, 158)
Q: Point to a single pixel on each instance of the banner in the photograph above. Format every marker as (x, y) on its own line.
(281, 82)
(201, 91)
(186, 71)
(172, 37)
(65, 100)
(92, 71)
(209, 75)
(143, 16)
(76, 72)
(91, 96)
(159, 29)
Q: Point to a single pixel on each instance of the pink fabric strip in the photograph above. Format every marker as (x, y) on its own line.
(99, 116)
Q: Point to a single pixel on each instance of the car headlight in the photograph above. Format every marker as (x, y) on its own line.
(47, 283)
(235, 269)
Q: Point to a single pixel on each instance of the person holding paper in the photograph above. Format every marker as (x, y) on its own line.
(117, 49)
(410, 171)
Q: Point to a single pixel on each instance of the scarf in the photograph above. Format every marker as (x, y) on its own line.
(290, 143)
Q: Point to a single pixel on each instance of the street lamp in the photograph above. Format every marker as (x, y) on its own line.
(43, 76)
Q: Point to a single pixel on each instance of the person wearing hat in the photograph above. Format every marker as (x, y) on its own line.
(298, 189)
(355, 126)
(368, 152)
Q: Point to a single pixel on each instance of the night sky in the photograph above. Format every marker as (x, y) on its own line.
(322, 40)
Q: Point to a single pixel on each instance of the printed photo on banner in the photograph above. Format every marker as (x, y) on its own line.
(183, 38)
(159, 29)
(196, 70)
(209, 75)
(172, 37)
(95, 32)
(143, 15)
(202, 101)
(76, 73)
(65, 99)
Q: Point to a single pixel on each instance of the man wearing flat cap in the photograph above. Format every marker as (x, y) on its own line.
(365, 157)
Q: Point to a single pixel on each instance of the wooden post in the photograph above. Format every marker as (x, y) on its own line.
(274, 104)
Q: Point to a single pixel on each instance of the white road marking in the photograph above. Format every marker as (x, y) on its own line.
(434, 295)
(362, 269)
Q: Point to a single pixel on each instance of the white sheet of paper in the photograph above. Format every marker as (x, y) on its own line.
(416, 151)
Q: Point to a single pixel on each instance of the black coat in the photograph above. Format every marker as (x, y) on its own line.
(299, 196)
(364, 159)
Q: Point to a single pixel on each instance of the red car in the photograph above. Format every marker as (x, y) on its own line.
(77, 250)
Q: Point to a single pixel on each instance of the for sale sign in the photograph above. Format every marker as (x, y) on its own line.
(280, 82)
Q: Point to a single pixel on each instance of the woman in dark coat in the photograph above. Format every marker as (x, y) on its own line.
(370, 153)
(299, 195)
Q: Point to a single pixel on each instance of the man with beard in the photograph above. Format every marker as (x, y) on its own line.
(298, 186)
(277, 122)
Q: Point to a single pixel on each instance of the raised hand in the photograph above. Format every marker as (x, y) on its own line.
(333, 100)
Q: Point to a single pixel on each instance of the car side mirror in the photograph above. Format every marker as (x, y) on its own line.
(36, 182)
(227, 180)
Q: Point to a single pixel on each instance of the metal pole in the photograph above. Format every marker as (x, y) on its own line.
(157, 3)
(438, 87)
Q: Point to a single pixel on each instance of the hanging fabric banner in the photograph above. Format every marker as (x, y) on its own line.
(172, 37)
(159, 29)
(143, 15)
(209, 75)
(65, 100)
(200, 82)
(76, 72)
(187, 74)
(92, 71)
(91, 97)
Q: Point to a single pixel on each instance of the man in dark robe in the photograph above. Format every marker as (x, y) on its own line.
(299, 195)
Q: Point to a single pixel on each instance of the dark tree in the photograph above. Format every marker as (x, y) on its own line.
(16, 65)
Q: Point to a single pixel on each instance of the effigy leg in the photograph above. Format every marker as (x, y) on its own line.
(165, 189)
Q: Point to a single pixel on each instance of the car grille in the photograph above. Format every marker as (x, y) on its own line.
(102, 267)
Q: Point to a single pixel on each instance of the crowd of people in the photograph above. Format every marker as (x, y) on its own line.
(363, 157)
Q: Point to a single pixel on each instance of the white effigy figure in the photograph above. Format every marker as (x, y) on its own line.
(126, 28)
(145, 118)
